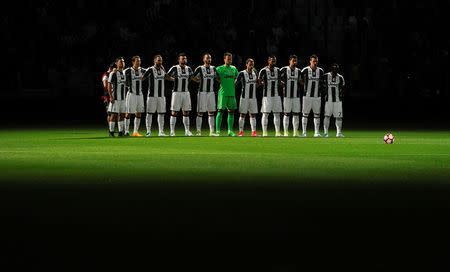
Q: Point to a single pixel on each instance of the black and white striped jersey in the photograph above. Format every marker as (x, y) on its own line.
(312, 81)
(291, 79)
(133, 80)
(182, 76)
(334, 86)
(117, 81)
(206, 76)
(271, 79)
(156, 83)
(246, 82)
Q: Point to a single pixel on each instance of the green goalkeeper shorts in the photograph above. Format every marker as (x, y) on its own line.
(226, 102)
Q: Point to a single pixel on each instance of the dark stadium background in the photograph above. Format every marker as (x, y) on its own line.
(393, 55)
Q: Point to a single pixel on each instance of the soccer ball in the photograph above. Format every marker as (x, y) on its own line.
(389, 138)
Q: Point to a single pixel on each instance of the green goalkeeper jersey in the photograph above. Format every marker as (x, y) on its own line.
(227, 75)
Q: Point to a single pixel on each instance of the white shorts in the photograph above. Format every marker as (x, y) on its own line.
(118, 106)
(291, 104)
(334, 108)
(311, 103)
(180, 100)
(135, 103)
(271, 104)
(248, 105)
(206, 101)
(156, 104)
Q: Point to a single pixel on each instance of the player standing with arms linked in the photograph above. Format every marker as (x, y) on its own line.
(206, 100)
(116, 91)
(271, 102)
(312, 81)
(290, 75)
(135, 98)
(334, 84)
(105, 95)
(181, 74)
(226, 100)
(156, 98)
(247, 81)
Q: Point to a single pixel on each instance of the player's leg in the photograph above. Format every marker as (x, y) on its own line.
(286, 123)
(338, 115)
(316, 110)
(253, 124)
(175, 107)
(211, 108)
(296, 115)
(128, 113)
(326, 119)
(112, 123)
(243, 109)
(149, 116)
(186, 108)
(265, 109)
(241, 124)
(161, 108)
(139, 109)
(306, 110)
(231, 106)
(220, 111)
(198, 123)
(277, 109)
(120, 121)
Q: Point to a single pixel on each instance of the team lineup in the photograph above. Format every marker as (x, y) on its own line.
(288, 90)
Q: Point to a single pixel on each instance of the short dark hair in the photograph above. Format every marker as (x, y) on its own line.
(248, 60)
(181, 55)
(206, 53)
(272, 57)
(155, 56)
(335, 65)
(292, 57)
(112, 65)
(227, 54)
(117, 59)
(313, 56)
(134, 58)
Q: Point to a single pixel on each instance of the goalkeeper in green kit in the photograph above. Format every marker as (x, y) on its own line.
(226, 75)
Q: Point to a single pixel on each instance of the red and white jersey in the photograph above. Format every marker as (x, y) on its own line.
(105, 76)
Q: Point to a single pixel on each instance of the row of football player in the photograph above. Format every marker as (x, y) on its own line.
(312, 78)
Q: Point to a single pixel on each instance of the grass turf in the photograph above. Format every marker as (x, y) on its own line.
(88, 156)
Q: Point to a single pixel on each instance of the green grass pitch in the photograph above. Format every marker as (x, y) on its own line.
(86, 155)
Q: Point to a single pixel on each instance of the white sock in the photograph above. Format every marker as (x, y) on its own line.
(127, 125)
(148, 122)
(186, 123)
(326, 124)
(198, 122)
(286, 124)
(173, 121)
(121, 125)
(241, 123)
(161, 123)
(137, 123)
(111, 126)
(253, 123)
(316, 125)
(264, 122)
(295, 122)
(339, 125)
(276, 122)
(304, 123)
(212, 122)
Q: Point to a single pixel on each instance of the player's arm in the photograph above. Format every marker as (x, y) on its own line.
(112, 78)
(322, 82)
(216, 75)
(127, 73)
(303, 75)
(262, 77)
(147, 73)
(196, 75)
(238, 83)
(341, 87)
(105, 82)
(171, 74)
(191, 75)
